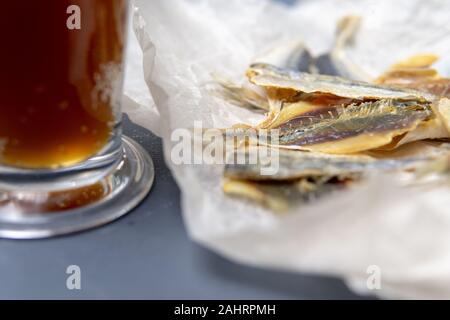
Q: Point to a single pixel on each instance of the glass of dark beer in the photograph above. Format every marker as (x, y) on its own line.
(64, 165)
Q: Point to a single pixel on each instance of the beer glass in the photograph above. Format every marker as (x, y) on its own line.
(64, 165)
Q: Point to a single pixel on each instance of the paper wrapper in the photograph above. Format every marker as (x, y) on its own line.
(404, 233)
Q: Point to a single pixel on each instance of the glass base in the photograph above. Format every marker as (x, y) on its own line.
(33, 214)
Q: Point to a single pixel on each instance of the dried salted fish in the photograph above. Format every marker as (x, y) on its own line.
(411, 69)
(417, 73)
(305, 176)
(336, 115)
(294, 164)
(332, 124)
(282, 195)
(353, 128)
(293, 55)
(292, 82)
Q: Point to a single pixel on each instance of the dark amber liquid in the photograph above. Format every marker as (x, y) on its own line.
(59, 88)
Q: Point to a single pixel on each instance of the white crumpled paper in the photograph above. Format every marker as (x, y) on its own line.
(404, 233)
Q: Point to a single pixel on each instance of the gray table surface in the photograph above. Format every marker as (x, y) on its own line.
(146, 255)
